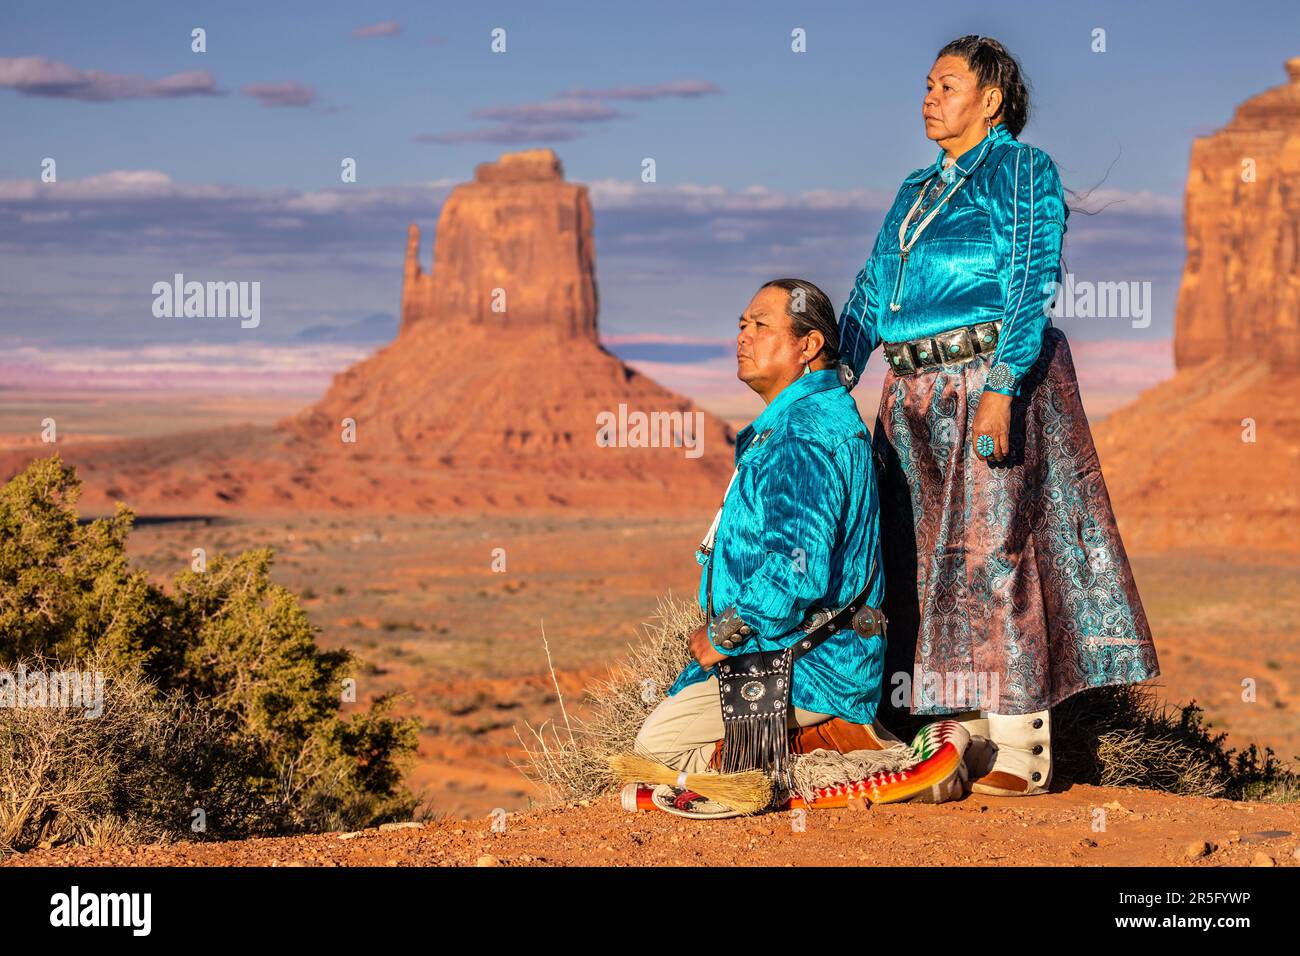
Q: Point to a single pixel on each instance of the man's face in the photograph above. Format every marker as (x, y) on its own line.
(767, 353)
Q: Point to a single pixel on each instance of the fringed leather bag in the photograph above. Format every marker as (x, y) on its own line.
(754, 688)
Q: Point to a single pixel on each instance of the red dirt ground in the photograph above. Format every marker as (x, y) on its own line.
(1142, 828)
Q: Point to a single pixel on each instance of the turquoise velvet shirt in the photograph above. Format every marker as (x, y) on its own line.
(800, 529)
(993, 252)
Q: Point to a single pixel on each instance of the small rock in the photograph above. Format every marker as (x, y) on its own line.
(1263, 836)
(1199, 848)
(1262, 859)
(408, 825)
(487, 860)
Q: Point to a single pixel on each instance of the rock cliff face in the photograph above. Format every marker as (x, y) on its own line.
(467, 389)
(1241, 284)
(1210, 460)
(513, 253)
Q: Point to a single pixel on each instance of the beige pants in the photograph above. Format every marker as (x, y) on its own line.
(683, 730)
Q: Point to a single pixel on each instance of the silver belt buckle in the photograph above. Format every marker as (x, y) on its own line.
(900, 357)
(955, 345)
(815, 619)
(986, 336)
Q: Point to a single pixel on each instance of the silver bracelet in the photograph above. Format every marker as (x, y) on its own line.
(1001, 377)
(730, 629)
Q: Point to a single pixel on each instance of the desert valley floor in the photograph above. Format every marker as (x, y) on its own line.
(416, 597)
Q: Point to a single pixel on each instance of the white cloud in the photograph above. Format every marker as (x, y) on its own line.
(38, 76)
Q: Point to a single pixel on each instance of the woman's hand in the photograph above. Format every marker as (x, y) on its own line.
(993, 418)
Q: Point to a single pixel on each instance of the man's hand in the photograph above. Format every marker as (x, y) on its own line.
(702, 649)
(993, 417)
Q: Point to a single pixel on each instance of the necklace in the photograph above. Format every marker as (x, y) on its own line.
(905, 245)
(928, 196)
(706, 546)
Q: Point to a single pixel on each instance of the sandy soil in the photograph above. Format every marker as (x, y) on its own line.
(1141, 828)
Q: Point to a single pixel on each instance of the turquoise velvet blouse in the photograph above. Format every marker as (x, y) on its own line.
(800, 529)
(993, 252)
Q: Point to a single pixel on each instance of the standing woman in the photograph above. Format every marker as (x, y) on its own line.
(1008, 587)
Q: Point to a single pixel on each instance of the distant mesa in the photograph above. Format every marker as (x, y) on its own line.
(488, 398)
(1210, 460)
(1241, 286)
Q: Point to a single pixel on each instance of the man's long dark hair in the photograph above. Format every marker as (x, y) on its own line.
(816, 313)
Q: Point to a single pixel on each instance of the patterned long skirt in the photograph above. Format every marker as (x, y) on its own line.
(1007, 585)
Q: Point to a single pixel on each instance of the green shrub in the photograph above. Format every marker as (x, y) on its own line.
(226, 663)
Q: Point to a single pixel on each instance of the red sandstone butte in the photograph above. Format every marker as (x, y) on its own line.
(488, 398)
(1211, 458)
(541, 255)
(1241, 285)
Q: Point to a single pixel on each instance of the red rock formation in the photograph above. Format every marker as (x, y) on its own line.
(477, 391)
(1210, 460)
(468, 408)
(537, 272)
(1241, 284)
(1208, 463)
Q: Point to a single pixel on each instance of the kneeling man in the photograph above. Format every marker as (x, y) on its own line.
(797, 535)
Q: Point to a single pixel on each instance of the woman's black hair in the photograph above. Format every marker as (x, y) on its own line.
(808, 311)
(994, 66)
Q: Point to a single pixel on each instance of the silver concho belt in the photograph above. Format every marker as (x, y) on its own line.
(931, 351)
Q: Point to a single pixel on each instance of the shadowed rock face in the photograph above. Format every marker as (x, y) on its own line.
(1241, 284)
(513, 253)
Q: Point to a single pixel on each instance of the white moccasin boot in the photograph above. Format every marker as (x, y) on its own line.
(1022, 765)
(979, 754)
(975, 721)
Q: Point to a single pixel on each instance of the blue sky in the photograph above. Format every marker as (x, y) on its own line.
(768, 162)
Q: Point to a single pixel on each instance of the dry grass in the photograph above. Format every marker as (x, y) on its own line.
(573, 764)
(1111, 737)
(1124, 737)
(132, 774)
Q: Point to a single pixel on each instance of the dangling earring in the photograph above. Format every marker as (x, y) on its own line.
(806, 369)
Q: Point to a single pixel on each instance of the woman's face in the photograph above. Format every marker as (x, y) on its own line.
(953, 101)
